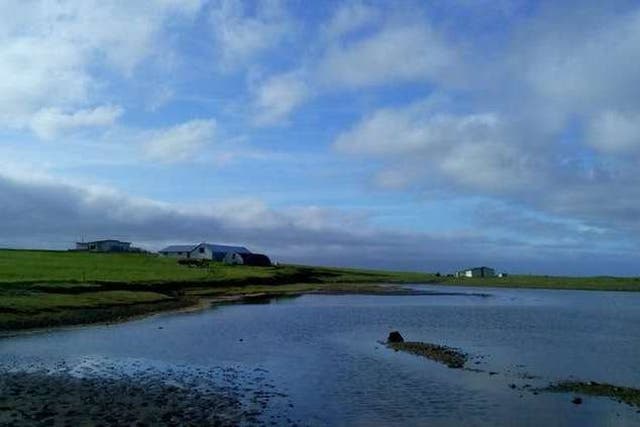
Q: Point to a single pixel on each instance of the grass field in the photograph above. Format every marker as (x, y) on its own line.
(69, 268)
(600, 283)
(48, 288)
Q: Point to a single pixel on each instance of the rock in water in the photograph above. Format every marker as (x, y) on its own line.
(395, 337)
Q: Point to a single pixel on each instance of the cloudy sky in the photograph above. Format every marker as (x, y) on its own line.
(426, 135)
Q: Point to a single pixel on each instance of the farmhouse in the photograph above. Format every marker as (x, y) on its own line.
(108, 245)
(203, 250)
(477, 272)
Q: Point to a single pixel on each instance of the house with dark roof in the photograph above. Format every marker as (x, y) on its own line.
(202, 250)
(108, 245)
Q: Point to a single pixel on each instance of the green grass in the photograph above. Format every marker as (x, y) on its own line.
(600, 283)
(45, 288)
(79, 267)
(34, 302)
(67, 268)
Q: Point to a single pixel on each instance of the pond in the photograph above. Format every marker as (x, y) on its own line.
(319, 360)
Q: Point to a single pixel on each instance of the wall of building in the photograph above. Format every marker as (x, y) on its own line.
(233, 258)
(178, 255)
(201, 252)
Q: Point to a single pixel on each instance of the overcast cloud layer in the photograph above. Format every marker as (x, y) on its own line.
(369, 133)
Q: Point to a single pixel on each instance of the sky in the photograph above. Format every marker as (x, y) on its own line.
(422, 135)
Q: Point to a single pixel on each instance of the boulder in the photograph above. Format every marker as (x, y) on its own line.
(395, 337)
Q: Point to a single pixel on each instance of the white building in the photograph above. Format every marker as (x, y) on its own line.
(202, 251)
(477, 272)
(108, 245)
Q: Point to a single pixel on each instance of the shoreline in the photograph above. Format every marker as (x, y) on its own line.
(191, 299)
(204, 302)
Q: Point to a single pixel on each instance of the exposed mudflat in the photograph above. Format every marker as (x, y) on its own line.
(119, 395)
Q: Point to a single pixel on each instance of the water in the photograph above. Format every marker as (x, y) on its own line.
(322, 356)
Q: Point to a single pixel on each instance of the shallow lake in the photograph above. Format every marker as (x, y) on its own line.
(320, 358)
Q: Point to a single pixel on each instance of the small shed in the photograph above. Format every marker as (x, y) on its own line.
(477, 272)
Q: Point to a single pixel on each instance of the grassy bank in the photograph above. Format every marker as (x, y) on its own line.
(600, 283)
(47, 288)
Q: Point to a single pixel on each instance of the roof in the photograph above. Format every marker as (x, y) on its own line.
(225, 248)
(478, 268)
(178, 248)
(104, 241)
(210, 246)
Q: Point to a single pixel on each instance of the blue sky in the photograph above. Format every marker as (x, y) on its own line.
(394, 134)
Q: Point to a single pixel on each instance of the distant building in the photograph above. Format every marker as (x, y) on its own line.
(202, 251)
(477, 272)
(108, 245)
(256, 260)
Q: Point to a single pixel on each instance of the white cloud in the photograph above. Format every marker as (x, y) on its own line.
(417, 129)
(180, 142)
(278, 96)
(350, 17)
(241, 36)
(528, 109)
(49, 123)
(359, 47)
(394, 54)
(615, 132)
(49, 50)
(564, 63)
(476, 151)
(394, 132)
(39, 72)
